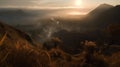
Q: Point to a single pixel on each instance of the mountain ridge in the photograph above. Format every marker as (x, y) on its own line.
(14, 35)
(99, 9)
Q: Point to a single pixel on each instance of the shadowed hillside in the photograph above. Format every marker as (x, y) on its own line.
(17, 49)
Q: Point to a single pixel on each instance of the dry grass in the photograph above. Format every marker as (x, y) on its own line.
(24, 55)
(3, 38)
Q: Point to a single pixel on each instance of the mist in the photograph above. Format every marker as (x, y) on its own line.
(41, 24)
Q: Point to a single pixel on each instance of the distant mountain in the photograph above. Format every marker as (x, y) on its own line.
(13, 13)
(102, 16)
(11, 16)
(101, 22)
(111, 15)
(101, 8)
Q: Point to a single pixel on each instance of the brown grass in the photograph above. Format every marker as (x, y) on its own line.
(24, 55)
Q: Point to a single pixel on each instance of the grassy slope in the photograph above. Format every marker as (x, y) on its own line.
(17, 51)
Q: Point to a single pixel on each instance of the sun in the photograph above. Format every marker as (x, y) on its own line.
(78, 3)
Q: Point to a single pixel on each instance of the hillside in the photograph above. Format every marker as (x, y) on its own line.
(13, 35)
(99, 9)
(103, 18)
(17, 49)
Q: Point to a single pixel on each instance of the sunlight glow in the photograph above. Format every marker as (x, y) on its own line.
(76, 13)
(78, 3)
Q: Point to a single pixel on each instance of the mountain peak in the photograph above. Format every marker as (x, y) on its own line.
(117, 6)
(105, 5)
(101, 8)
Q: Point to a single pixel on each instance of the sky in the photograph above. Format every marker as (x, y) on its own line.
(55, 3)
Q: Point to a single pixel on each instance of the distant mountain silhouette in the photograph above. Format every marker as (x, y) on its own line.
(98, 22)
(102, 16)
(14, 12)
(101, 8)
(11, 16)
(111, 15)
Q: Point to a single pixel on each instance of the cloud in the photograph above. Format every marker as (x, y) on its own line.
(52, 3)
(34, 3)
(15, 3)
